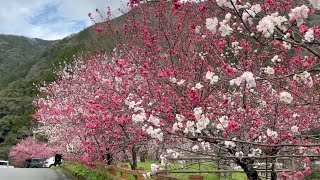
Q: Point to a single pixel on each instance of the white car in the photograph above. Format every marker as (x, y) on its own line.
(5, 164)
(48, 163)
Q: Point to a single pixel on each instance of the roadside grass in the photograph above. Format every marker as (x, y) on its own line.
(207, 166)
(83, 172)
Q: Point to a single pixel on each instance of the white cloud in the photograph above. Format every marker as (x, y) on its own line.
(50, 19)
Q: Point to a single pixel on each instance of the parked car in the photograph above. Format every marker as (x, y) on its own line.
(5, 164)
(53, 161)
(48, 163)
(34, 163)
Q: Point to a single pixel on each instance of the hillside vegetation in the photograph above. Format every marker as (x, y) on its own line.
(25, 63)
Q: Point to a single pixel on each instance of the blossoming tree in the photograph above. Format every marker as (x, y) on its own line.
(240, 76)
(30, 148)
(243, 75)
(86, 105)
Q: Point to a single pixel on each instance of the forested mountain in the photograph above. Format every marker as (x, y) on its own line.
(25, 63)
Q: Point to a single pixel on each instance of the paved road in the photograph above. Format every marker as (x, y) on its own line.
(30, 174)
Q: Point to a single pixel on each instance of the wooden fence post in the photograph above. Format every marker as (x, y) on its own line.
(124, 175)
(195, 177)
(113, 171)
(140, 177)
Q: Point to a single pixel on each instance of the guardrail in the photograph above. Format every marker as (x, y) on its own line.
(124, 172)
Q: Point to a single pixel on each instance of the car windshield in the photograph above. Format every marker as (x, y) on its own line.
(3, 163)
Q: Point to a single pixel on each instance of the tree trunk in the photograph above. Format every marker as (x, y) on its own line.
(143, 156)
(247, 167)
(252, 175)
(134, 158)
(273, 171)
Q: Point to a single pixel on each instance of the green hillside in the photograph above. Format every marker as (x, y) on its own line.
(25, 62)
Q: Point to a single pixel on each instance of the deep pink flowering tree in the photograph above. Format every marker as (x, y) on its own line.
(86, 105)
(30, 148)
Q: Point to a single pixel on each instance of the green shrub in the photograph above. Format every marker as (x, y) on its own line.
(83, 172)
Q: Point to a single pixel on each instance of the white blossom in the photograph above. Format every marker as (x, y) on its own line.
(251, 13)
(236, 81)
(227, 17)
(309, 35)
(202, 55)
(202, 123)
(266, 26)
(295, 129)
(154, 120)
(263, 103)
(180, 117)
(146, 175)
(286, 45)
(286, 97)
(199, 86)
(197, 112)
(180, 82)
(173, 80)
(154, 168)
(131, 104)
(295, 115)
(197, 29)
(305, 78)
(195, 148)
(223, 122)
(271, 133)
(227, 3)
(275, 59)
(149, 130)
(229, 144)
(239, 154)
(138, 117)
(211, 24)
(189, 128)
(279, 20)
(155, 133)
(298, 14)
(225, 30)
(210, 76)
(205, 145)
(175, 127)
(268, 70)
(248, 77)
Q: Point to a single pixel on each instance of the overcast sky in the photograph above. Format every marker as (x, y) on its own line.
(50, 19)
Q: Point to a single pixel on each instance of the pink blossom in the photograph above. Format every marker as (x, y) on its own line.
(284, 175)
(307, 170)
(306, 160)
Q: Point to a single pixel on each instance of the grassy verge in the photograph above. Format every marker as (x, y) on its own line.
(83, 172)
(194, 167)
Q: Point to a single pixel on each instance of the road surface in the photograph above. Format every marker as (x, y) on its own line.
(30, 174)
